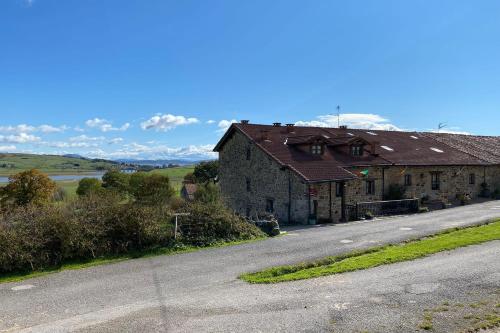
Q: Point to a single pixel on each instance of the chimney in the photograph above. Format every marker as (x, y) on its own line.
(276, 124)
(373, 149)
(264, 135)
(289, 127)
(343, 127)
(245, 121)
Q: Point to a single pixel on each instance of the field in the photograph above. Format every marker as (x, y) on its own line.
(51, 164)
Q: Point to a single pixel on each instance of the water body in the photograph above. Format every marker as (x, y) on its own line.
(64, 177)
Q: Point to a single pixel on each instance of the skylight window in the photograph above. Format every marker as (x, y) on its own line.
(387, 148)
(437, 150)
(371, 133)
(413, 137)
(350, 134)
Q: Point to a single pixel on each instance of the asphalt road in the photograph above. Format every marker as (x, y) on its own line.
(200, 292)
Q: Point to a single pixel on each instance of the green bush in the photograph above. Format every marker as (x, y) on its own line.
(150, 188)
(209, 223)
(34, 237)
(207, 193)
(88, 185)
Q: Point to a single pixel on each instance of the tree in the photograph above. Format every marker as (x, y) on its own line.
(88, 185)
(150, 189)
(206, 171)
(31, 186)
(116, 180)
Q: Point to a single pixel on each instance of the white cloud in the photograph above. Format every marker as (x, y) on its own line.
(352, 120)
(105, 125)
(7, 148)
(225, 124)
(211, 121)
(115, 140)
(166, 122)
(62, 144)
(52, 129)
(23, 128)
(142, 151)
(19, 138)
(85, 138)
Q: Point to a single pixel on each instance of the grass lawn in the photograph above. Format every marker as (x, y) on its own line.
(15, 277)
(447, 240)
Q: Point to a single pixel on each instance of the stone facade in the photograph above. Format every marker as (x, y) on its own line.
(253, 183)
(267, 180)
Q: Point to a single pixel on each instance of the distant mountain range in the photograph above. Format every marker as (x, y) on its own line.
(158, 162)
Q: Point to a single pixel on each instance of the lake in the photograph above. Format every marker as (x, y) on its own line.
(63, 177)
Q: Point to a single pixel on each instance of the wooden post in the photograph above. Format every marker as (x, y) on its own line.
(177, 215)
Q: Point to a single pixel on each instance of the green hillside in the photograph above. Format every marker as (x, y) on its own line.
(50, 164)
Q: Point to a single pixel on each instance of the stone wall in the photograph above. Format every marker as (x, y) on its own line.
(268, 180)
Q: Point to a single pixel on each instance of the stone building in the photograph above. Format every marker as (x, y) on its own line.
(302, 173)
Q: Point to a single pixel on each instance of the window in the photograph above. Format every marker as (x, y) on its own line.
(316, 149)
(435, 182)
(249, 188)
(407, 180)
(472, 178)
(356, 150)
(370, 187)
(248, 153)
(339, 188)
(269, 205)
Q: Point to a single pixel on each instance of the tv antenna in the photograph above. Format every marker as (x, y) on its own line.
(338, 116)
(441, 126)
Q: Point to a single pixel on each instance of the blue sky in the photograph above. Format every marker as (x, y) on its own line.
(162, 79)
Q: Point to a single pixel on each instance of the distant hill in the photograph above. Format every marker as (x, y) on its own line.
(52, 164)
(158, 162)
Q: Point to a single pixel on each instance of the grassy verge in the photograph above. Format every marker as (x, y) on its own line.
(447, 240)
(15, 277)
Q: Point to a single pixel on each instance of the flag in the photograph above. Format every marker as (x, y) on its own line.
(364, 172)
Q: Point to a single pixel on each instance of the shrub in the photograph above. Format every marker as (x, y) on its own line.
(207, 193)
(116, 181)
(27, 187)
(60, 194)
(369, 216)
(88, 185)
(150, 189)
(212, 222)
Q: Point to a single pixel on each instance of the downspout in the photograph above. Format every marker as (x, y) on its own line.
(383, 183)
(289, 196)
(330, 200)
(308, 202)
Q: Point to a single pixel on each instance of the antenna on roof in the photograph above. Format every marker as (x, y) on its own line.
(338, 116)
(441, 126)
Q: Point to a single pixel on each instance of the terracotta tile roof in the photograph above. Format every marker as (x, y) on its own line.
(391, 148)
(486, 148)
